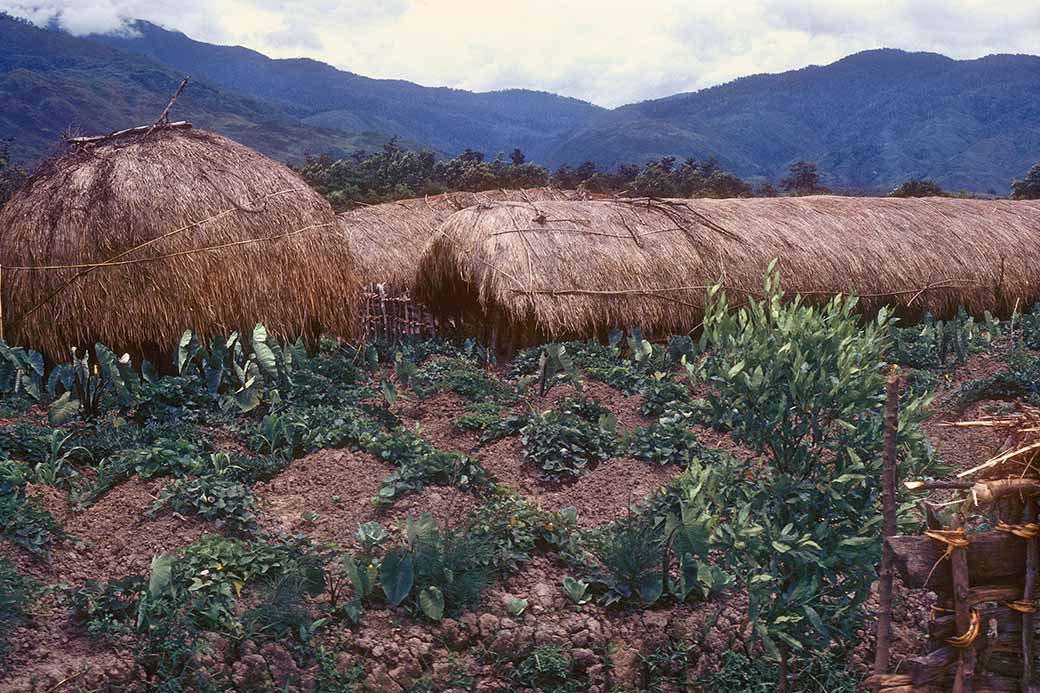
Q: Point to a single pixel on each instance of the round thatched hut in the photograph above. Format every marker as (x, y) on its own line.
(571, 269)
(388, 239)
(131, 240)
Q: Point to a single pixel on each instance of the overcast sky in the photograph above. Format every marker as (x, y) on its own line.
(605, 51)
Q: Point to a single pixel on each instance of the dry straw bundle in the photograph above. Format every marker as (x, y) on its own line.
(131, 239)
(561, 269)
(388, 239)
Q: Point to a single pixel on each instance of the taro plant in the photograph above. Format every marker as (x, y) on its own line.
(21, 371)
(803, 387)
(245, 371)
(81, 387)
(440, 570)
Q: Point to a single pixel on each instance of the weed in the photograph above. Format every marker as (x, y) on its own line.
(547, 668)
(479, 416)
(515, 529)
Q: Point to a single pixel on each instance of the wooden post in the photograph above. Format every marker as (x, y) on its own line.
(1028, 594)
(888, 502)
(965, 680)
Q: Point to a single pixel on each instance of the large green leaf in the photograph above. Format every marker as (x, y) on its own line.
(397, 575)
(431, 601)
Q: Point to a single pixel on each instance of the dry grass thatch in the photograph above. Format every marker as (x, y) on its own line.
(388, 239)
(198, 231)
(561, 269)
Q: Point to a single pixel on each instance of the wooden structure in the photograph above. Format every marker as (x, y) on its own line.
(392, 316)
(982, 566)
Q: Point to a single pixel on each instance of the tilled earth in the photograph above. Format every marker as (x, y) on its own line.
(325, 495)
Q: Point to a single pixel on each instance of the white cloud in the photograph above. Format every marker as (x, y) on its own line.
(607, 51)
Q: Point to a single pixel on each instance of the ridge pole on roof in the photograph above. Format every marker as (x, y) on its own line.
(164, 117)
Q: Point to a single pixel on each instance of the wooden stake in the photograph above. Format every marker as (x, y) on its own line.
(1032, 558)
(888, 500)
(965, 679)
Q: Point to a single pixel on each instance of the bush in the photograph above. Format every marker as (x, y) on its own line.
(419, 464)
(660, 394)
(547, 668)
(514, 529)
(212, 497)
(107, 608)
(1020, 379)
(668, 443)
(804, 388)
(441, 571)
(479, 416)
(23, 522)
(565, 441)
(461, 376)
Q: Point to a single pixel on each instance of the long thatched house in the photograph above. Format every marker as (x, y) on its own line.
(388, 239)
(562, 269)
(131, 239)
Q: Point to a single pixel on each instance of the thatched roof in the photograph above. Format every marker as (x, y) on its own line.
(201, 232)
(574, 268)
(388, 239)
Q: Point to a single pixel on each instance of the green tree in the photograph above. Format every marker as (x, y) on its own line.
(518, 157)
(803, 387)
(1029, 187)
(917, 187)
(802, 179)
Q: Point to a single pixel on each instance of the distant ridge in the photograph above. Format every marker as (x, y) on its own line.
(871, 120)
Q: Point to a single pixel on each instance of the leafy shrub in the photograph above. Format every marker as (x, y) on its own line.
(1021, 378)
(1030, 327)
(667, 443)
(292, 432)
(461, 376)
(441, 570)
(25, 442)
(804, 388)
(564, 442)
(420, 464)
(212, 497)
(661, 394)
(514, 529)
(479, 416)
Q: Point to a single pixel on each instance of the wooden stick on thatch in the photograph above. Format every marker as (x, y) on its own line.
(164, 117)
(888, 494)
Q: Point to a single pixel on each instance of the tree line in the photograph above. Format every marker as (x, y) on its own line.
(395, 173)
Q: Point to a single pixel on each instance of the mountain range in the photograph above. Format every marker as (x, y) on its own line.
(870, 121)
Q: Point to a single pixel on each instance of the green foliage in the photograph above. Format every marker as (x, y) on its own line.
(565, 441)
(212, 497)
(440, 570)
(661, 394)
(21, 372)
(804, 388)
(825, 672)
(107, 608)
(461, 376)
(177, 458)
(515, 529)
(667, 443)
(555, 366)
(917, 187)
(290, 432)
(419, 464)
(1019, 379)
(547, 668)
(22, 521)
(15, 592)
(479, 416)
(1031, 328)
(1028, 188)
(931, 344)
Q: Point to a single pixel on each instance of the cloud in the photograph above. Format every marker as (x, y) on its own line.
(606, 51)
